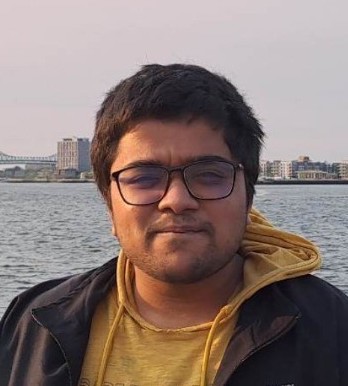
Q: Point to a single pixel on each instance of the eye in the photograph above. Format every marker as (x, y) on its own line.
(142, 178)
(210, 177)
(210, 174)
(143, 181)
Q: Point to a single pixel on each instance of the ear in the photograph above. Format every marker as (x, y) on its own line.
(248, 213)
(113, 226)
(113, 230)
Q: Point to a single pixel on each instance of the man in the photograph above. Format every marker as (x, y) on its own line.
(205, 290)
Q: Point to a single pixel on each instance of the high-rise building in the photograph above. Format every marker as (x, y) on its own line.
(73, 153)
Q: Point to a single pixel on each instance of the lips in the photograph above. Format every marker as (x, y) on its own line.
(179, 229)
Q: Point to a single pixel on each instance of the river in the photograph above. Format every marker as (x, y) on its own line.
(49, 230)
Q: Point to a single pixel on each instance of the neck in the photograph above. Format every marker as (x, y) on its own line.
(171, 306)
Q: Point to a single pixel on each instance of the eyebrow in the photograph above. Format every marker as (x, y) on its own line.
(142, 162)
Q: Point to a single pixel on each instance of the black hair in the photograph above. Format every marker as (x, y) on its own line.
(175, 92)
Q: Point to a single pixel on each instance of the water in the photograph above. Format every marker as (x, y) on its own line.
(51, 230)
(317, 212)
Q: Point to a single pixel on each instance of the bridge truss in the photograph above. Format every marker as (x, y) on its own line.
(19, 160)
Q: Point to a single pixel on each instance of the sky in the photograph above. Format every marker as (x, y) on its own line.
(288, 58)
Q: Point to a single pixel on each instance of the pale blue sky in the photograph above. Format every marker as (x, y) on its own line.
(290, 59)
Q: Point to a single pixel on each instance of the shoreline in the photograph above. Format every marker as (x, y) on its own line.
(303, 182)
(60, 181)
(261, 182)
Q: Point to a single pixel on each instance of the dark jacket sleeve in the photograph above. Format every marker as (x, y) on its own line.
(21, 339)
(44, 332)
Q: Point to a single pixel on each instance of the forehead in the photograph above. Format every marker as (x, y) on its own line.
(170, 143)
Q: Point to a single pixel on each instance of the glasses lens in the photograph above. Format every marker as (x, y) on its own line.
(210, 180)
(143, 185)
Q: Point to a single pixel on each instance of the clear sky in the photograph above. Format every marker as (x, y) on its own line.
(289, 58)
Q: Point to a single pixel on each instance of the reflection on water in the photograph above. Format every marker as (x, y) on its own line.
(50, 230)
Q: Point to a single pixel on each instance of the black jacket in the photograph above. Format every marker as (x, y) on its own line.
(291, 333)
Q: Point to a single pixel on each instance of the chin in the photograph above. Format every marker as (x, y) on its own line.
(178, 278)
(185, 273)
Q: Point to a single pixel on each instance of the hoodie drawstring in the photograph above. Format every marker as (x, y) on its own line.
(108, 346)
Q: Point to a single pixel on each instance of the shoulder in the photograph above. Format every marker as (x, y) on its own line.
(55, 290)
(319, 302)
(310, 289)
(315, 303)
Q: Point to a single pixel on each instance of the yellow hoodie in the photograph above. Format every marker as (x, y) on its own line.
(125, 348)
(272, 254)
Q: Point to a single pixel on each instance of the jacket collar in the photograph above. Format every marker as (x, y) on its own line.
(69, 317)
(264, 318)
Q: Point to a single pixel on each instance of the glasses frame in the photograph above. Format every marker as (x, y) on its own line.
(236, 166)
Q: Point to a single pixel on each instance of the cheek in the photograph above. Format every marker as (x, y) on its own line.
(233, 221)
(230, 220)
(129, 223)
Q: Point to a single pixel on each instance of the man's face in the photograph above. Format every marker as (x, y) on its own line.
(179, 239)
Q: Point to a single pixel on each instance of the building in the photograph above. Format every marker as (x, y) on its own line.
(73, 153)
(265, 169)
(15, 172)
(343, 170)
(303, 159)
(286, 169)
(313, 175)
(297, 169)
(304, 163)
(276, 169)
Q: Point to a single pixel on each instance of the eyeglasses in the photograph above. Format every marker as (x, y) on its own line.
(204, 180)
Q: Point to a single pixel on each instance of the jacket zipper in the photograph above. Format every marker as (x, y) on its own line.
(268, 342)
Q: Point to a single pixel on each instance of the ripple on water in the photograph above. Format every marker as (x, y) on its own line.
(52, 230)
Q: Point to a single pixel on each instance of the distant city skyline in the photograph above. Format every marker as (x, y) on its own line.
(306, 154)
(289, 59)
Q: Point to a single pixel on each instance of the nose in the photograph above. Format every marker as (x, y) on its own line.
(177, 198)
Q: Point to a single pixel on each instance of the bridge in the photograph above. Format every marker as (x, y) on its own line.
(20, 160)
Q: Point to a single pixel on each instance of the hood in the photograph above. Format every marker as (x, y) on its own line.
(272, 254)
